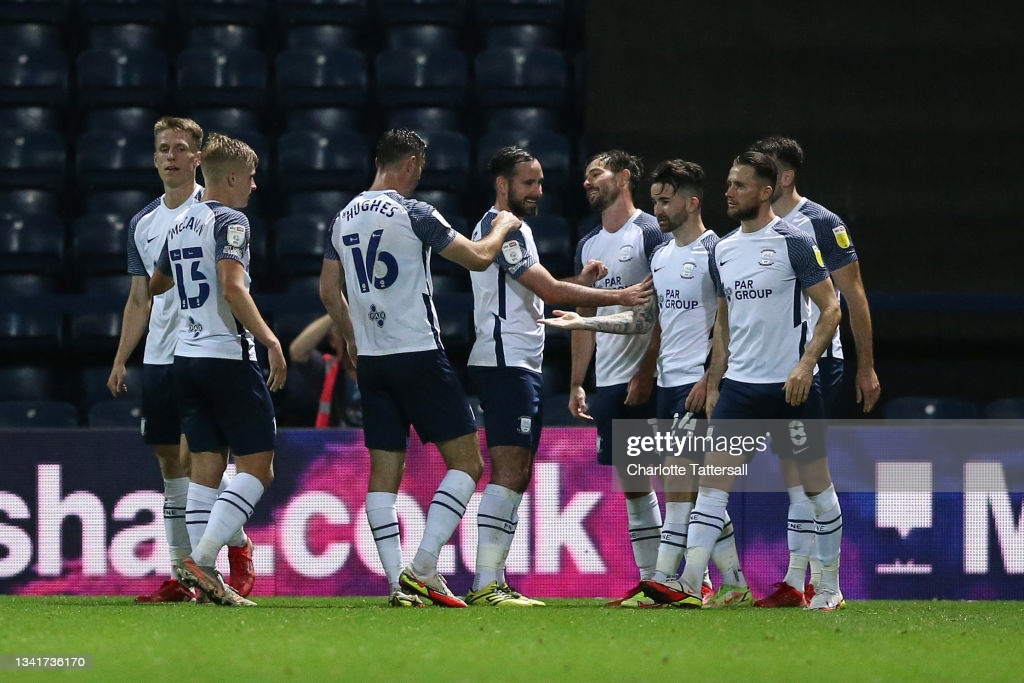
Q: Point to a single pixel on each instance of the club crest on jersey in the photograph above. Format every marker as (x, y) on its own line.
(767, 257)
(842, 237)
(525, 423)
(236, 235)
(626, 252)
(688, 270)
(512, 251)
(377, 316)
(817, 256)
(195, 327)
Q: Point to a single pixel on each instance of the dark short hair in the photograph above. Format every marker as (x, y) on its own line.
(786, 151)
(398, 144)
(617, 160)
(680, 175)
(504, 161)
(763, 164)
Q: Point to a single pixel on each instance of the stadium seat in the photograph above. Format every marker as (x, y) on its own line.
(555, 411)
(450, 12)
(115, 413)
(249, 12)
(323, 204)
(36, 331)
(552, 149)
(521, 76)
(930, 408)
(423, 36)
(124, 203)
(99, 242)
(37, 415)
(33, 77)
(413, 77)
(32, 159)
(125, 36)
(1005, 409)
(31, 244)
(30, 118)
(524, 119)
(92, 386)
(122, 119)
(553, 237)
(447, 283)
(550, 12)
(299, 244)
(318, 77)
(425, 119)
(123, 12)
(95, 332)
(323, 119)
(28, 383)
(347, 12)
(215, 77)
(521, 35)
(447, 202)
(322, 37)
(26, 287)
(111, 159)
(448, 161)
(113, 76)
(309, 160)
(107, 290)
(226, 36)
(44, 11)
(31, 36)
(455, 315)
(28, 201)
(227, 120)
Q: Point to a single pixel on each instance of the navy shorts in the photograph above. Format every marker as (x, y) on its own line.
(796, 431)
(607, 405)
(225, 403)
(419, 389)
(161, 420)
(672, 407)
(829, 380)
(512, 403)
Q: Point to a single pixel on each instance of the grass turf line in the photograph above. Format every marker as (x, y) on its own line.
(360, 639)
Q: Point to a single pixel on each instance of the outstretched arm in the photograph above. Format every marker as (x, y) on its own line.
(639, 320)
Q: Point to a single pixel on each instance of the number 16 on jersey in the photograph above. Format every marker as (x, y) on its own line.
(382, 266)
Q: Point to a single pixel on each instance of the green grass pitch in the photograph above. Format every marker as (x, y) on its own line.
(569, 640)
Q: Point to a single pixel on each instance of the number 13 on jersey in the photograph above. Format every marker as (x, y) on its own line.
(193, 254)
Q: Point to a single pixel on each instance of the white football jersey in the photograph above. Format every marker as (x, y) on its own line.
(384, 242)
(147, 234)
(833, 240)
(505, 313)
(205, 234)
(627, 255)
(762, 276)
(687, 304)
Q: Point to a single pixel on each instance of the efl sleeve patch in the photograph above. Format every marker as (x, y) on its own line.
(817, 256)
(513, 252)
(236, 235)
(842, 237)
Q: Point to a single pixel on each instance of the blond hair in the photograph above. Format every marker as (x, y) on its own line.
(221, 152)
(187, 126)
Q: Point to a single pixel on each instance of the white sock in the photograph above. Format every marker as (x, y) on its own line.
(828, 520)
(238, 539)
(197, 511)
(382, 515)
(175, 502)
(644, 518)
(446, 510)
(726, 558)
(673, 540)
(800, 534)
(495, 526)
(233, 508)
(502, 579)
(706, 522)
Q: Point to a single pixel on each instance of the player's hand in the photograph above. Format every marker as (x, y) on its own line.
(591, 273)
(563, 320)
(638, 294)
(639, 389)
(697, 398)
(505, 222)
(115, 383)
(868, 388)
(798, 385)
(578, 403)
(278, 369)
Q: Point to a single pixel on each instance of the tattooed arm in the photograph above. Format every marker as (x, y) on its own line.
(638, 320)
